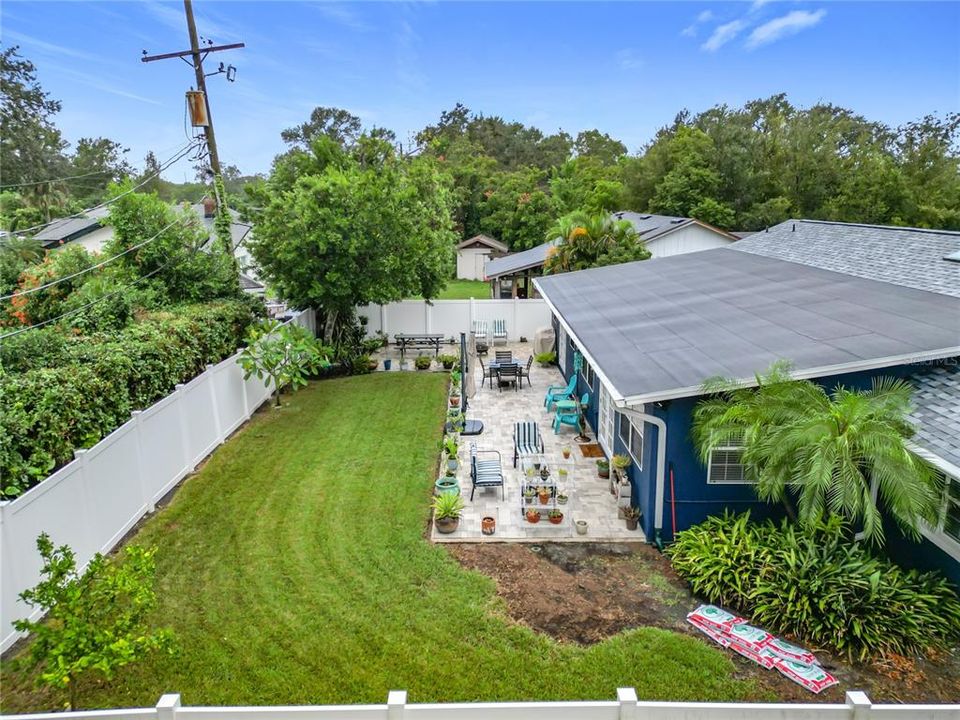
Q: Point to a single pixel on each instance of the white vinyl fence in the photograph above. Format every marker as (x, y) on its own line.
(91, 502)
(625, 707)
(452, 317)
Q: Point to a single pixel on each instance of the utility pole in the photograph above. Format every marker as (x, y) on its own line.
(197, 55)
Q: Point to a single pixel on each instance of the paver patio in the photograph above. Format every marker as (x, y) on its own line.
(589, 495)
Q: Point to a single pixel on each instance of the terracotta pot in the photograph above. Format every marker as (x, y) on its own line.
(533, 517)
(455, 401)
(566, 454)
(544, 498)
(555, 520)
(488, 526)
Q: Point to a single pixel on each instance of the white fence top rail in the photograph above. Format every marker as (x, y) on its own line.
(626, 707)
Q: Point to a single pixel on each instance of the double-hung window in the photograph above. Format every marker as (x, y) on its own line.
(632, 438)
(726, 464)
(586, 372)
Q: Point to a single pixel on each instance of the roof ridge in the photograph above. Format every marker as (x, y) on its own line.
(932, 231)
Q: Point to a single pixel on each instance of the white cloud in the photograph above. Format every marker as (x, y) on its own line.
(705, 16)
(757, 4)
(723, 34)
(47, 47)
(342, 15)
(628, 59)
(689, 31)
(784, 26)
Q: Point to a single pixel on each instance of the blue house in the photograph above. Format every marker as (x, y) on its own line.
(843, 303)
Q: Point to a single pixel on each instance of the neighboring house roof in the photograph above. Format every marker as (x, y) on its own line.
(519, 261)
(651, 227)
(937, 411)
(903, 256)
(66, 230)
(657, 329)
(248, 284)
(741, 234)
(483, 240)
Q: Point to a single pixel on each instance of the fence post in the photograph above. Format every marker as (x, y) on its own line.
(859, 704)
(514, 326)
(184, 434)
(80, 455)
(167, 706)
(137, 417)
(396, 704)
(472, 316)
(217, 425)
(627, 697)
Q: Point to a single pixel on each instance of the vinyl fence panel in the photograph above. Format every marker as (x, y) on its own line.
(91, 503)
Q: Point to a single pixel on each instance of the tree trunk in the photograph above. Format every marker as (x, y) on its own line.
(72, 689)
(329, 325)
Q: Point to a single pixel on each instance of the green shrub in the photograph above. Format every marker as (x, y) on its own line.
(818, 586)
(94, 382)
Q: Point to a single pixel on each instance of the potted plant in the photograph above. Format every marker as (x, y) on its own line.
(448, 484)
(543, 494)
(455, 421)
(603, 468)
(562, 472)
(545, 359)
(562, 499)
(488, 525)
(447, 508)
(581, 526)
(455, 401)
(544, 472)
(447, 361)
(533, 516)
(529, 493)
(555, 517)
(566, 452)
(621, 463)
(632, 516)
(450, 448)
(422, 362)
(387, 362)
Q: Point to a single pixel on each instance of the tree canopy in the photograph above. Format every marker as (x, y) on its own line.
(340, 227)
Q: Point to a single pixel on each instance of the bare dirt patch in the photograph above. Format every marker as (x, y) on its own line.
(585, 592)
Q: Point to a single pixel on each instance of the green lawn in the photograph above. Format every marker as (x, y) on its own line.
(464, 290)
(294, 568)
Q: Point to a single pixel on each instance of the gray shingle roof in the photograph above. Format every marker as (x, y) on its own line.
(483, 240)
(902, 256)
(937, 413)
(659, 328)
(509, 264)
(238, 230)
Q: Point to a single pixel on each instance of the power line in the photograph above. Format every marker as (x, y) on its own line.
(180, 154)
(92, 302)
(55, 180)
(28, 291)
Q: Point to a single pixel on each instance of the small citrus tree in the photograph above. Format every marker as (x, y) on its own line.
(95, 621)
(837, 452)
(284, 354)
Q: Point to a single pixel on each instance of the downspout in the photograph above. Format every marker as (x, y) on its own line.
(661, 426)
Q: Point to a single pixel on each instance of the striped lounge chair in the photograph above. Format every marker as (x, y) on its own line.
(526, 440)
(499, 331)
(485, 473)
(480, 329)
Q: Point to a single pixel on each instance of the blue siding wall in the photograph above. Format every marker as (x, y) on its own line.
(693, 500)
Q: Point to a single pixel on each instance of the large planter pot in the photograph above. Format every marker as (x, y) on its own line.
(603, 472)
(447, 525)
(372, 365)
(447, 484)
(488, 525)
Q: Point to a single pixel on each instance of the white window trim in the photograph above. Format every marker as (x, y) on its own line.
(606, 420)
(585, 366)
(725, 448)
(562, 350)
(627, 443)
(936, 535)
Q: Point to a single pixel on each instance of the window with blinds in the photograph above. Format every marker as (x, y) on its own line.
(726, 465)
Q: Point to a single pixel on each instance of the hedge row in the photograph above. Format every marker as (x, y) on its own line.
(61, 393)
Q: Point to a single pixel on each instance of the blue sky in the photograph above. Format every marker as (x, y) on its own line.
(625, 68)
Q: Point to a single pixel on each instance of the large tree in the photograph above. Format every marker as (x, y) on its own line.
(338, 228)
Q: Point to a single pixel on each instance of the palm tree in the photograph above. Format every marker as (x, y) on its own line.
(834, 453)
(26, 250)
(592, 240)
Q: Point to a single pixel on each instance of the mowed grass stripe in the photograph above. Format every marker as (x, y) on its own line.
(293, 569)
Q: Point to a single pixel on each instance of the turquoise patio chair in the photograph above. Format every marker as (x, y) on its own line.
(570, 417)
(560, 392)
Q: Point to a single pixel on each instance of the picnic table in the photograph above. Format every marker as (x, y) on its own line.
(409, 341)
